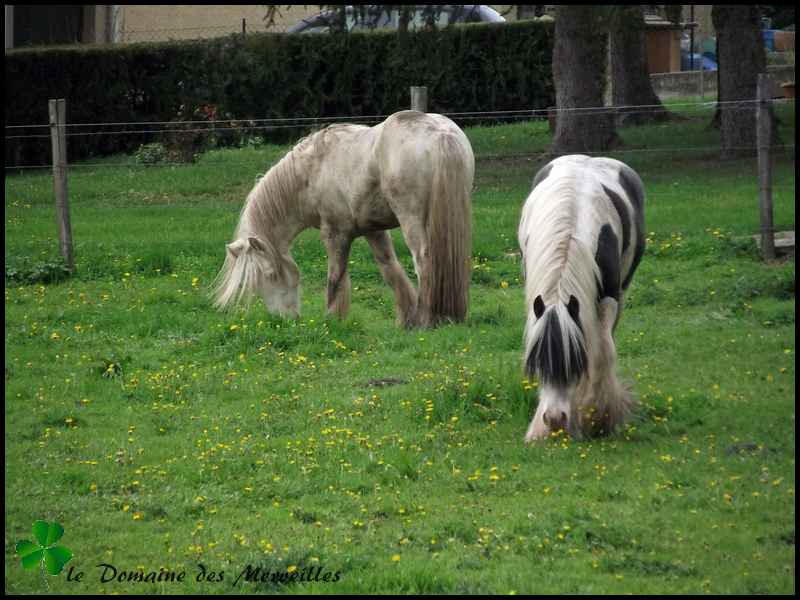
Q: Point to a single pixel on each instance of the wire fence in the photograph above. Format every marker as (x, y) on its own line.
(761, 110)
(133, 36)
(521, 113)
(308, 124)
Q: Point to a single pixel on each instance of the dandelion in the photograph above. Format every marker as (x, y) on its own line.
(395, 558)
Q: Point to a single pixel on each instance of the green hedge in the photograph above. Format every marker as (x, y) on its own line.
(466, 68)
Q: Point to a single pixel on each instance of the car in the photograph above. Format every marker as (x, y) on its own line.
(697, 62)
(376, 16)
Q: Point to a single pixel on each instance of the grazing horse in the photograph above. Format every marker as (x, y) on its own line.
(582, 237)
(413, 170)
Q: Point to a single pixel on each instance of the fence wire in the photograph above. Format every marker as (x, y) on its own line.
(488, 115)
(227, 126)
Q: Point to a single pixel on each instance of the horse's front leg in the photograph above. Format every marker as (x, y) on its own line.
(338, 292)
(608, 310)
(612, 402)
(380, 242)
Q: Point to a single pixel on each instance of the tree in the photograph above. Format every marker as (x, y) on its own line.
(579, 61)
(741, 57)
(630, 77)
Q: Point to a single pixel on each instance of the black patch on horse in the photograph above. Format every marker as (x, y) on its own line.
(542, 174)
(547, 357)
(633, 187)
(624, 218)
(607, 258)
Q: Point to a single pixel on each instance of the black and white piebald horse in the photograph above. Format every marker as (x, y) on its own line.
(582, 237)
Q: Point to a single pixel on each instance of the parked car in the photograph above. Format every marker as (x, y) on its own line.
(701, 61)
(376, 16)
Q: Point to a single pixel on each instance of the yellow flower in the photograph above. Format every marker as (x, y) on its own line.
(395, 558)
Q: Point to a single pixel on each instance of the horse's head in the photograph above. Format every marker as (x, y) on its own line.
(253, 265)
(558, 355)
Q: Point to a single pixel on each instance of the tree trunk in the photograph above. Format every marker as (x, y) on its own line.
(630, 77)
(741, 59)
(579, 60)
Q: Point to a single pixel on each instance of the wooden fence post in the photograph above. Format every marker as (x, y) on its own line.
(419, 98)
(764, 136)
(58, 138)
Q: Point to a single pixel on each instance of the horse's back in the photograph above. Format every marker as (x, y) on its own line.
(409, 142)
(606, 200)
(411, 148)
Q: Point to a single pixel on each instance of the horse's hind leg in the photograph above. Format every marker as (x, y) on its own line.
(338, 291)
(417, 241)
(405, 296)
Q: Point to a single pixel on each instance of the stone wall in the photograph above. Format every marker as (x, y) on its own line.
(683, 84)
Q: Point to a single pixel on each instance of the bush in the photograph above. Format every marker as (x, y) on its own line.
(151, 154)
(22, 273)
(480, 67)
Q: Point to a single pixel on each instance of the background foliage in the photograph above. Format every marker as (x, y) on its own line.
(466, 68)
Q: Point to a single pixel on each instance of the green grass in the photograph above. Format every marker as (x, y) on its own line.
(161, 433)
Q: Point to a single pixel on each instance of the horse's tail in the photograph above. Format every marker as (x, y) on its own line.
(444, 286)
(555, 346)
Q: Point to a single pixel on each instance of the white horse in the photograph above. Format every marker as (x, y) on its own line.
(582, 237)
(413, 170)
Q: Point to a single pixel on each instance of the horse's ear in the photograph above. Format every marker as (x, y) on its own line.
(573, 307)
(257, 244)
(538, 307)
(235, 248)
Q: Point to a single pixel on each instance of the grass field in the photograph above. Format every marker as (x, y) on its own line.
(163, 435)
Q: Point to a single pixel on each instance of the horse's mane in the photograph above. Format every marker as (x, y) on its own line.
(270, 200)
(558, 264)
(267, 206)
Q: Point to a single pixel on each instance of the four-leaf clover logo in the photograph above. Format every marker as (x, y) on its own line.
(44, 552)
